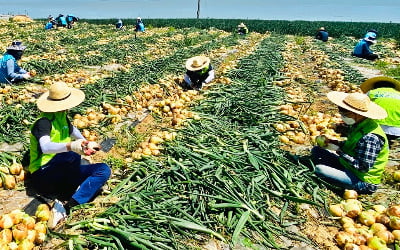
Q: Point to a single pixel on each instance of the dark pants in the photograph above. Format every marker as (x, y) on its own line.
(63, 177)
(371, 57)
(329, 168)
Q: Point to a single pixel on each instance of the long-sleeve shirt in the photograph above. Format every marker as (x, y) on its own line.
(9, 69)
(367, 150)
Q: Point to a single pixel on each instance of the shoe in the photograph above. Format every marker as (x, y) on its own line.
(58, 213)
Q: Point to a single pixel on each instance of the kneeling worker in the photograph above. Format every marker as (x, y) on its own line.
(199, 72)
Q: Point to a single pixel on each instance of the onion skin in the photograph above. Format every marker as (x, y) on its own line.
(383, 219)
(342, 238)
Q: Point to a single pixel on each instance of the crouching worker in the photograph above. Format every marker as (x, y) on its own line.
(359, 162)
(10, 71)
(56, 147)
(199, 72)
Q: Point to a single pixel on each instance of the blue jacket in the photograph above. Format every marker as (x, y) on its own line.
(362, 49)
(139, 26)
(48, 26)
(9, 69)
(61, 20)
(322, 35)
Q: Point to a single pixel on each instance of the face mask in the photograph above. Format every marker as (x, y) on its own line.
(348, 120)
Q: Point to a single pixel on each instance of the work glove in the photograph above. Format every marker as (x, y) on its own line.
(91, 147)
(78, 146)
(26, 75)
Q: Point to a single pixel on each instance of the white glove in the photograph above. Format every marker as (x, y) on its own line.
(91, 148)
(332, 147)
(26, 76)
(77, 146)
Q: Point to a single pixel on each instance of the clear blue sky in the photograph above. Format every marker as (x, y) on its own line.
(312, 10)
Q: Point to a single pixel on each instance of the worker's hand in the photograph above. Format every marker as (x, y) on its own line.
(322, 141)
(325, 142)
(26, 75)
(91, 147)
(78, 146)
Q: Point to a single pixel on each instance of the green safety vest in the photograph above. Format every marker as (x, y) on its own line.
(388, 99)
(60, 133)
(374, 174)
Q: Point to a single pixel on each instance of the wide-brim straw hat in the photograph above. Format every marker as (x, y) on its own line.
(241, 25)
(197, 63)
(16, 45)
(370, 83)
(60, 97)
(322, 28)
(358, 103)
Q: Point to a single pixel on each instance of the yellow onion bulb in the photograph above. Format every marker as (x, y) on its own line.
(393, 210)
(19, 232)
(41, 227)
(6, 235)
(376, 243)
(6, 221)
(394, 223)
(396, 234)
(336, 210)
(350, 194)
(385, 235)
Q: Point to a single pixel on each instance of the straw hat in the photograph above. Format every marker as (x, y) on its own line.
(322, 28)
(241, 25)
(197, 63)
(370, 83)
(358, 103)
(60, 97)
(16, 45)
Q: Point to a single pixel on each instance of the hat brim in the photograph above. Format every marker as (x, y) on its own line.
(204, 59)
(369, 84)
(370, 40)
(45, 104)
(375, 111)
(19, 48)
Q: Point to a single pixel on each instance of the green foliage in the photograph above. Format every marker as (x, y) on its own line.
(304, 28)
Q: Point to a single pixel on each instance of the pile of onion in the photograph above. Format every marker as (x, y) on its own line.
(377, 227)
(19, 230)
